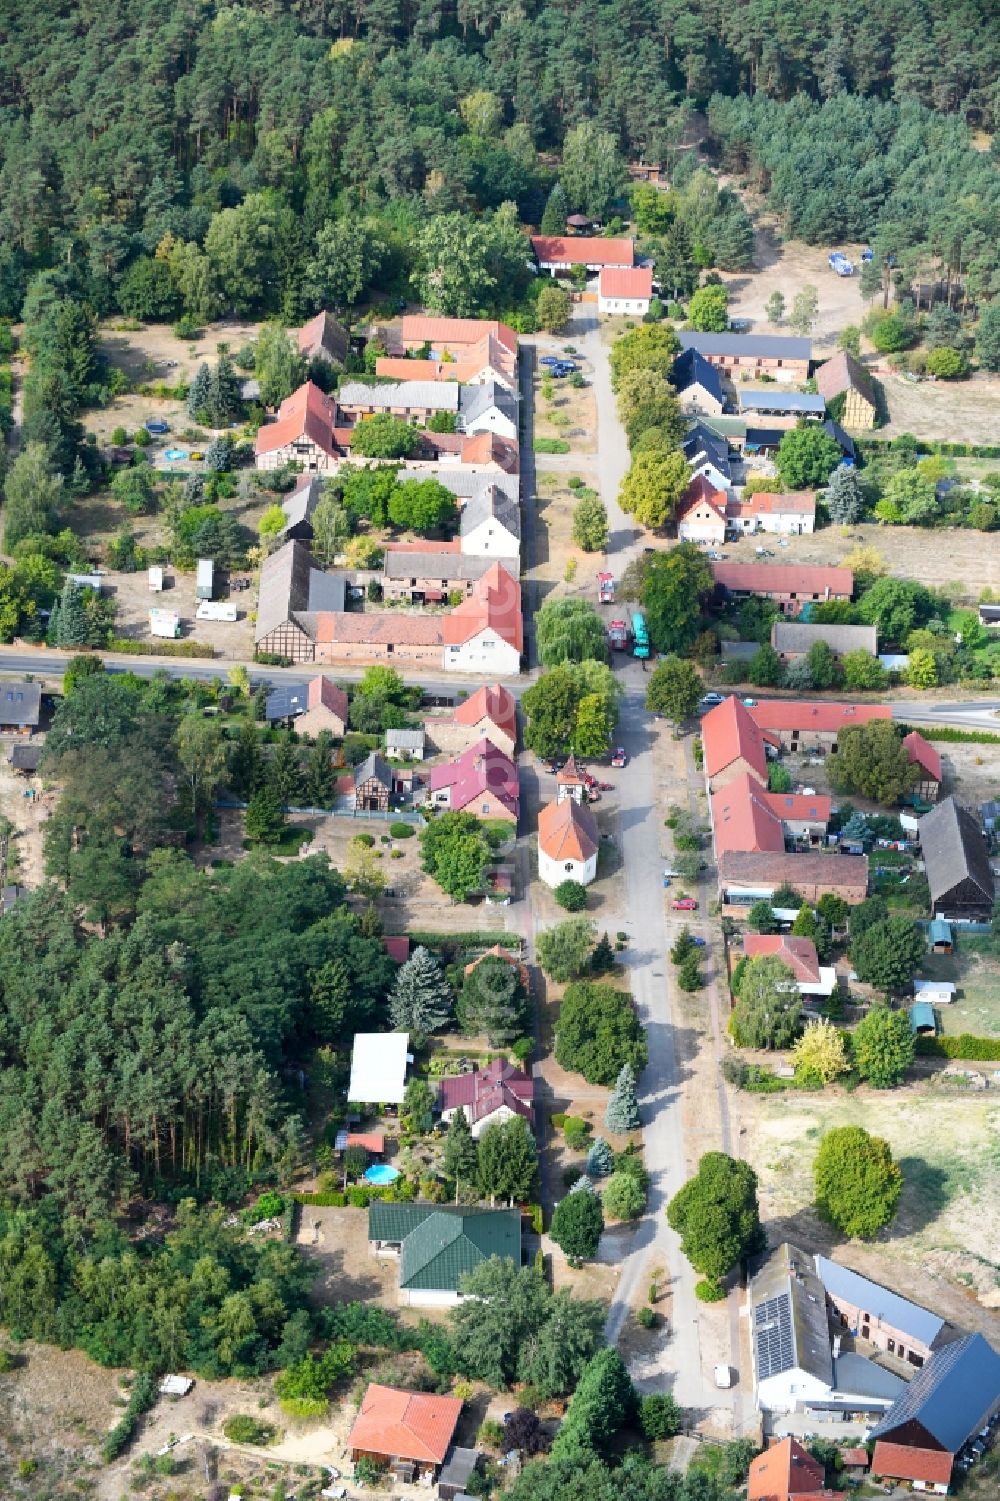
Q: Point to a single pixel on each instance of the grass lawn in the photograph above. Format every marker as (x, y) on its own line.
(290, 842)
(976, 972)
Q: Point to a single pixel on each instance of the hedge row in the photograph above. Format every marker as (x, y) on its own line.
(958, 737)
(469, 939)
(142, 1398)
(927, 445)
(161, 648)
(977, 1049)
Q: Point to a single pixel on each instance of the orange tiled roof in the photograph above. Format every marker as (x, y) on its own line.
(582, 250)
(495, 605)
(798, 953)
(782, 1470)
(405, 1425)
(419, 328)
(923, 754)
(567, 831)
(493, 702)
(323, 690)
(308, 413)
(728, 732)
(803, 714)
(901, 1462)
(626, 281)
(742, 820)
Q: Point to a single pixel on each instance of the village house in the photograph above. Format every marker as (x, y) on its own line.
(467, 484)
(372, 637)
(491, 712)
(769, 401)
(745, 877)
(957, 863)
(426, 575)
(946, 1405)
(733, 745)
(698, 385)
(486, 360)
(845, 377)
(486, 633)
(923, 755)
(454, 336)
(707, 453)
(879, 1316)
(811, 727)
(701, 515)
(745, 816)
(304, 432)
(791, 640)
(753, 355)
(486, 455)
(314, 706)
(560, 253)
(437, 1245)
(323, 338)
(298, 506)
(293, 600)
(414, 400)
(482, 780)
(487, 1096)
(624, 290)
(20, 707)
(406, 744)
(790, 515)
(373, 785)
(790, 585)
(814, 981)
(786, 1472)
(487, 407)
(491, 527)
(408, 1432)
(568, 842)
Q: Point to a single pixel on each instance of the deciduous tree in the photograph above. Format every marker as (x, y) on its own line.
(857, 1183)
(882, 1044)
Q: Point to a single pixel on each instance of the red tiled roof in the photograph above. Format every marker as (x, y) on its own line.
(485, 1090)
(621, 281)
(702, 489)
(427, 545)
(782, 1470)
(802, 714)
(834, 872)
(923, 754)
(490, 448)
(494, 605)
(372, 1141)
(308, 413)
(482, 768)
(727, 733)
(582, 250)
(784, 578)
(567, 831)
(418, 328)
(900, 1462)
(322, 336)
(569, 776)
(840, 374)
(323, 690)
(742, 820)
(494, 703)
(795, 807)
(797, 503)
(405, 1425)
(499, 952)
(380, 628)
(397, 948)
(855, 1457)
(798, 953)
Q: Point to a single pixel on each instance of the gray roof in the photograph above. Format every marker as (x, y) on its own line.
(756, 346)
(789, 1321)
(20, 703)
(951, 1396)
(438, 395)
(701, 443)
(691, 369)
(857, 1376)
(405, 739)
(775, 399)
(838, 435)
(283, 703)
(435, 565)
(26, 757)
(491, 504)
(909, 1318)
(463, 483)
(475, 400)
(299, 504)
(787, 636)
(290, 587)
(954, 850)
(373, 766)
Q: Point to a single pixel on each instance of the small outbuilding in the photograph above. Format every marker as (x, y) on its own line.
(378, 1068)
(923, 1022)
(939, 936)
(957, 863)
(406, 745)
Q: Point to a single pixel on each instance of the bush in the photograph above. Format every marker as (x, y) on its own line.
(551, 445)
(646, 1317)
(142, 1398)
(709, 1292)
(576, 1132)
(659, 1416)
(270, 1206)
(947, 364)
(571, 896)
(401, 830)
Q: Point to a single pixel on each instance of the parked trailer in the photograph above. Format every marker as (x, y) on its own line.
(164, 623)
(155, 577)
(204, 585)
(640, 636)
(216, 610)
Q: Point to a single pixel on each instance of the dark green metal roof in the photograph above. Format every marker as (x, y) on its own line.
(439, 1244)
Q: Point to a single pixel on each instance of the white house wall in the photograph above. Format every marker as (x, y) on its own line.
(492, 540)
(492, 421)
(552, 872)
(486, 652)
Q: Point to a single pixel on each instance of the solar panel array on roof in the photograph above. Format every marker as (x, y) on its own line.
(772, 1331)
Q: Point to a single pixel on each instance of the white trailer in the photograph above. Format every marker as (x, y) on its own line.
(216, 610)
(155, 577)
(93, 581)
(204, 585)
(164, 623)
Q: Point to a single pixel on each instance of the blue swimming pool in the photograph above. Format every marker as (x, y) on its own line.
(380, 1173)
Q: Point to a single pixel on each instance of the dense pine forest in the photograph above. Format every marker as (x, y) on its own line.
(200, 157)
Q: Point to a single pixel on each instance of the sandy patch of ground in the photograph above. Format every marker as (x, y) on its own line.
(574, 403)
(787, 266)
(555, 503)
(943, 1245)
(55, 1409)
(965, 411)
(335, 1241)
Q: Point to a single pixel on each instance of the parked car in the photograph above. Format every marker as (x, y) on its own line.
(684, 904)
(619, 758)
(156, 427)
(749, 703)
(549, 359)
(699, 943)
(713, 698)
